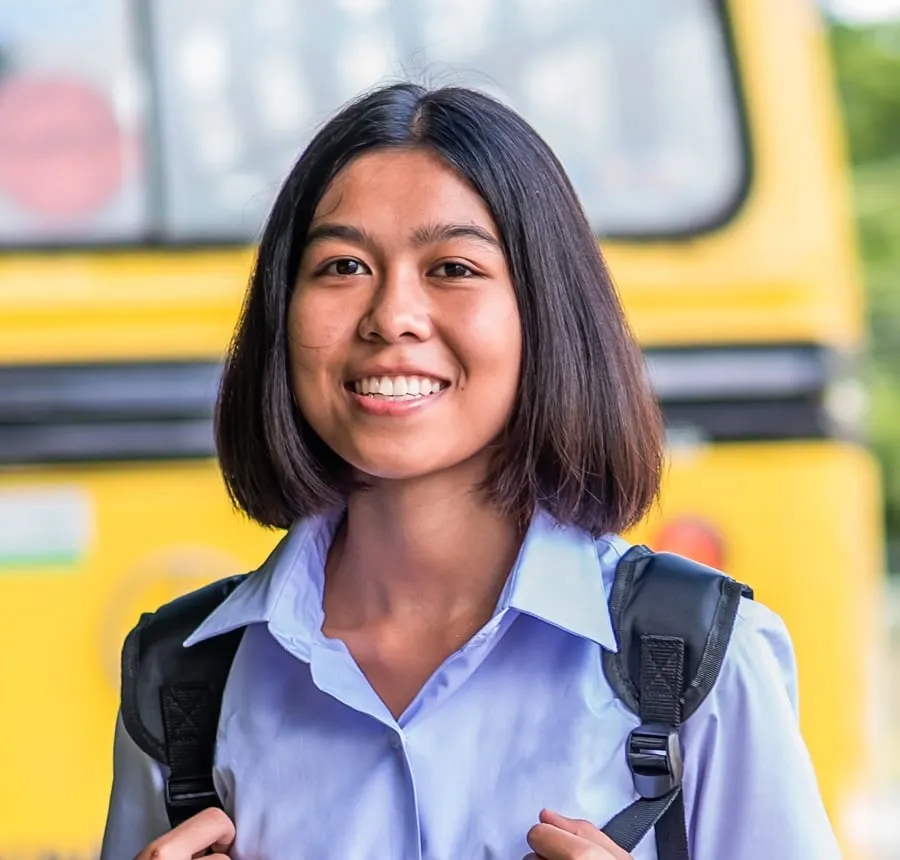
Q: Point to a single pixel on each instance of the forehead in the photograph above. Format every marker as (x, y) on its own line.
(402, 187)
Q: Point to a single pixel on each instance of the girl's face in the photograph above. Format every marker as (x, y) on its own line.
(405, 339)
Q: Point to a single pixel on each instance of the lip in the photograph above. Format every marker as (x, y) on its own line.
(393, 408)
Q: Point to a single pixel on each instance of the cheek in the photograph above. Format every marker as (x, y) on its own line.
(495, 330)
(315, 325)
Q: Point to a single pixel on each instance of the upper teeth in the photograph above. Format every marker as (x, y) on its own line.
(397, 386)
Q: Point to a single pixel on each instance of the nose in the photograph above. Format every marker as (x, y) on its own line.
(399, 309)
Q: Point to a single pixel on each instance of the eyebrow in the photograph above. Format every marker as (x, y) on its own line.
(433, 233)
(338, 231)
(427, 235)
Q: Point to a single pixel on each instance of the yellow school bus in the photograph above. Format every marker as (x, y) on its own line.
(140, 145)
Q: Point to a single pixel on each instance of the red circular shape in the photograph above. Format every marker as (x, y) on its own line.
(61, 149)
(693, 539)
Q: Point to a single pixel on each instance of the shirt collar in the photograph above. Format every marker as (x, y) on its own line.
(562, 576)
(293, 574)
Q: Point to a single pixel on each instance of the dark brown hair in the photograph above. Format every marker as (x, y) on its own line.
(585, 437)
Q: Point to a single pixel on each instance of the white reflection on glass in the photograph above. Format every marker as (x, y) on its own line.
(361, 8)
(284, 101)
(537, 15)
(203, 63)
(219, 139)
(367, 57)
(457, 31)
(237, 191)
(273, 15)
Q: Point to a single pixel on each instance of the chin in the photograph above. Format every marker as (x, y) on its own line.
(404, 471)
(410, 461)
(407, 467)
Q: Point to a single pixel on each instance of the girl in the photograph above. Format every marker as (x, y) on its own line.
(433, 389)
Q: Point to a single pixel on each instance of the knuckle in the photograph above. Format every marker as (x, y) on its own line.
(213, 813)
(584, 828)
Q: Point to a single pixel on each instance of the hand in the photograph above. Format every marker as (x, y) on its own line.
(208, 834)
(561, 838)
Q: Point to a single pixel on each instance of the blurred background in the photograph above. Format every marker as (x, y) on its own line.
(740, 162)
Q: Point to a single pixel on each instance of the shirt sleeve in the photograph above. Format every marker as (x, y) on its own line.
(137, 811)
(750, 788)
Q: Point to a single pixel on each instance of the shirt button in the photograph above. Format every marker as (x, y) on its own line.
(394, 741)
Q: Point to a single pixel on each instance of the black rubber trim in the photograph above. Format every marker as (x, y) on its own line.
(107, 412)
(615, 665)
(131, 713)
(743, 372)
(759, 421)
(716, 646)
(106, 442)
(32, 394)
(751, 392)
(150, 411)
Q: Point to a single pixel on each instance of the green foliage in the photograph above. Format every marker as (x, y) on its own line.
(868, 65)
(867, 60)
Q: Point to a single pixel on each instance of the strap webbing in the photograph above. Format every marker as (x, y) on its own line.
(190, 720)
(662, 679)
(634, 822)
(671, 831)
(662, 682)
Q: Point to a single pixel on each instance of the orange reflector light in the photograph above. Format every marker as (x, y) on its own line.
(693, 539)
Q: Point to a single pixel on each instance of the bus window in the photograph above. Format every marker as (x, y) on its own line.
(637, 98)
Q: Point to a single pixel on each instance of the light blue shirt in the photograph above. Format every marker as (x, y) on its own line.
(311, 764)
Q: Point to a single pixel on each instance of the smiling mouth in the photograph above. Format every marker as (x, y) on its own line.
(397, 387)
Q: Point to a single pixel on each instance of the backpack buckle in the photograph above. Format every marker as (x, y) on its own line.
(655, 760)
(191, 791)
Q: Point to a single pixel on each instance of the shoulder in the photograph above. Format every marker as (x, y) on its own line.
(745, 756)
(137, 810)
(761, 652)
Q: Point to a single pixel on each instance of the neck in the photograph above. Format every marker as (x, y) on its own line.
(431, 551)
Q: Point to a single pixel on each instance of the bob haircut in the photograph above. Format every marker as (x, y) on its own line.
(584, 440)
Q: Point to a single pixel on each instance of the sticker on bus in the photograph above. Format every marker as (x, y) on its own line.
(44, 528)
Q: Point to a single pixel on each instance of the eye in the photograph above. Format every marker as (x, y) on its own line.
(453, 271)
(345, 267)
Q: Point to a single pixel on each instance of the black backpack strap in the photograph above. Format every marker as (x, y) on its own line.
(673, 620)
(172, 695)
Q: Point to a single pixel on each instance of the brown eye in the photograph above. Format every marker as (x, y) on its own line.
(453, 271)
(345, 268)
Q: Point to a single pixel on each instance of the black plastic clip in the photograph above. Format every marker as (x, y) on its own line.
(191, 791)
(654, 757)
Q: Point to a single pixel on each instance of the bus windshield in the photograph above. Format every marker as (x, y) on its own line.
(174, 121)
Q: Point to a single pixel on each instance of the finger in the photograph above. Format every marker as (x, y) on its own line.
(551, 843)
(211, 828)
(584, 829)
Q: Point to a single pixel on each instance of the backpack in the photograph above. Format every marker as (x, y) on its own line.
(672, 617)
